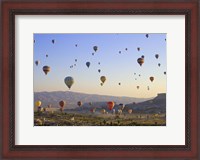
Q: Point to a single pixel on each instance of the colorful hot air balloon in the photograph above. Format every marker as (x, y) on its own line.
(126, 49)
(119, 84)
(140, 61)
(157, 56)
(110, 105)
(69, 81)
(120, 52)
(88, 64)
(142, 56)
(38, 103)
(99, 70)
(103, 79)
(95, 48)
(46, 69)
(138, 48)
(75, 60)
(130, 111)
(37, 62)
(79, 103)
(62, 104)
(159, 64)
(76, 45)
(151, 79)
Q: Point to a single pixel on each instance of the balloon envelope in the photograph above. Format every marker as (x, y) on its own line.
(38, 103)
(103, 79)
(62, 103)
(110, 105)
(46, 69)
(69, 81)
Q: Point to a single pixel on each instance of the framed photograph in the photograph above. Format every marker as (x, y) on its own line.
(100, 80)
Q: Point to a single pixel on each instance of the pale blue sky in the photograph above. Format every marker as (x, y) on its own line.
(118, 68)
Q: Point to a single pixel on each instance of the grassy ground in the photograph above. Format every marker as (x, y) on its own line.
(71, 119)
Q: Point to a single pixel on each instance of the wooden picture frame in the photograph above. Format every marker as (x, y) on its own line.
(191, 148)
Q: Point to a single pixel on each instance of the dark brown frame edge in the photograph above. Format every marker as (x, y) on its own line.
(10, 9)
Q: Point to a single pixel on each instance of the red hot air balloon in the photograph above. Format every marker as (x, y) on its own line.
(110, 105)
(62, 104)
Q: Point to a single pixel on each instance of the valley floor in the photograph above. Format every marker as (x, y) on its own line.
(76, 119)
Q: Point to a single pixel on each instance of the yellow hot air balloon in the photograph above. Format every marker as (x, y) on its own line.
(103, 79)
(69, 81)
(38, 103)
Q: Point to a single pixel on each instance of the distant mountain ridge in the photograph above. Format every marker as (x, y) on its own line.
(72, 98)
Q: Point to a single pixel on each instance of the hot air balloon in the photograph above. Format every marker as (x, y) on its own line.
(103, 111)
(139, 75)
(37, 62)
(138, 48)
(95, 48)
(88, 64)
(62, 104)
(92, 110)
(157, 55)
(165, 73)
(147, 35)
(121, 106)
(120, 52)
(69, 81)
(46, 69)
(93, 54)
(76, 45)
(53, 41)
(151, 79)
(99, 70)
(110, 105)
(148, 88)
(140, 61)
(142, 56)
(119, 84)
(126, 49)
(130, 111)
(75, 60)
(103, 79)
(159, 64)
(138, 87)
(79, 103)
(38, 103)
(99, 63)
(34, 41)
(101, 84)
(46, 55)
